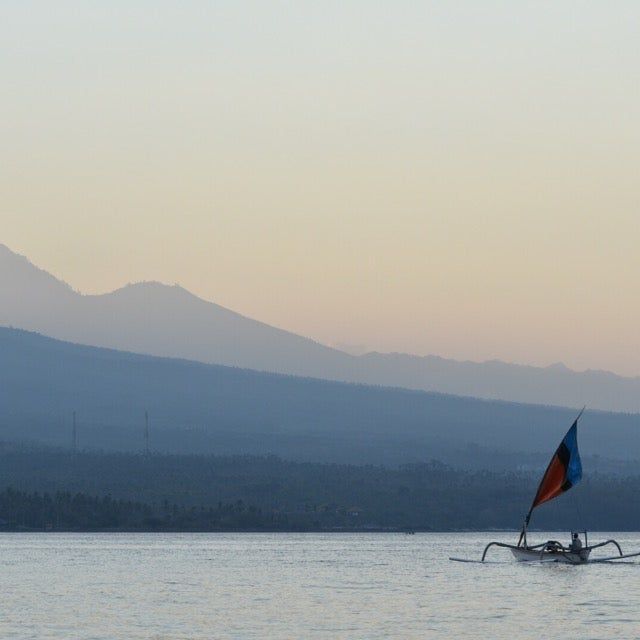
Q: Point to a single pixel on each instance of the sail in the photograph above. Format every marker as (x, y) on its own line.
(564, 470)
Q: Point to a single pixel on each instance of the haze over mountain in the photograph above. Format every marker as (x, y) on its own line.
(198, 408)
(157, 319)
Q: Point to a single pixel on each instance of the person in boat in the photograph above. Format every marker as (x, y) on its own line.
(576, 543)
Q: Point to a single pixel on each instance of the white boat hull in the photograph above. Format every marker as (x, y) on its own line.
(538, 555)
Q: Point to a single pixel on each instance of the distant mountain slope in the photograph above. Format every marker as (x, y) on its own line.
(169, 321)
(555, 385)
(153, 318)
(209, 408)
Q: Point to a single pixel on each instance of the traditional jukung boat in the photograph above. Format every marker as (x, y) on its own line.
(563, 472)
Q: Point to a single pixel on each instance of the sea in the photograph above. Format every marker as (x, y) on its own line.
(307, 585)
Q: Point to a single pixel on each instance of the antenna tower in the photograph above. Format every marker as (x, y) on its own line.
(74, 434)
(146, 433)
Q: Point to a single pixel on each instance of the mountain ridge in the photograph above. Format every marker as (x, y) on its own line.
(168, 320)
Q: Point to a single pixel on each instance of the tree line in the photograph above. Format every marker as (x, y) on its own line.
(92, 490)
(65, 511)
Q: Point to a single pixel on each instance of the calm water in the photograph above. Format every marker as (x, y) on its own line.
(302, 586)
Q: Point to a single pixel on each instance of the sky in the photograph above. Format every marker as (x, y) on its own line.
(454, 178)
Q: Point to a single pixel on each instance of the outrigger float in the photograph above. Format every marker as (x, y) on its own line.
(564, 471)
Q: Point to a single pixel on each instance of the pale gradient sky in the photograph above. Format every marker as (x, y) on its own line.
(457, 178)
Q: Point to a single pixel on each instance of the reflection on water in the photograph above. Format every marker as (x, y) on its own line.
(195, 586)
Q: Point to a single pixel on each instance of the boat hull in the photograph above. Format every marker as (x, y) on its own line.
(537, 555)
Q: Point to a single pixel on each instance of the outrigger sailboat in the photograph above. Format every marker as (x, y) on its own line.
(564, 471)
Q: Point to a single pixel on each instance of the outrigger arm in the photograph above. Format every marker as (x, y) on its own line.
(552, 550)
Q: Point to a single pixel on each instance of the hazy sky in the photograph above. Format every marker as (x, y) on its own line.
(458, 178)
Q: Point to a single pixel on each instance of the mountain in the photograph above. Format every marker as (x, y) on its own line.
(163, 320)
(198, 408)
(155, 319)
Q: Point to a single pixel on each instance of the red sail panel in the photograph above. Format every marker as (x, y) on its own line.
(552, 484)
